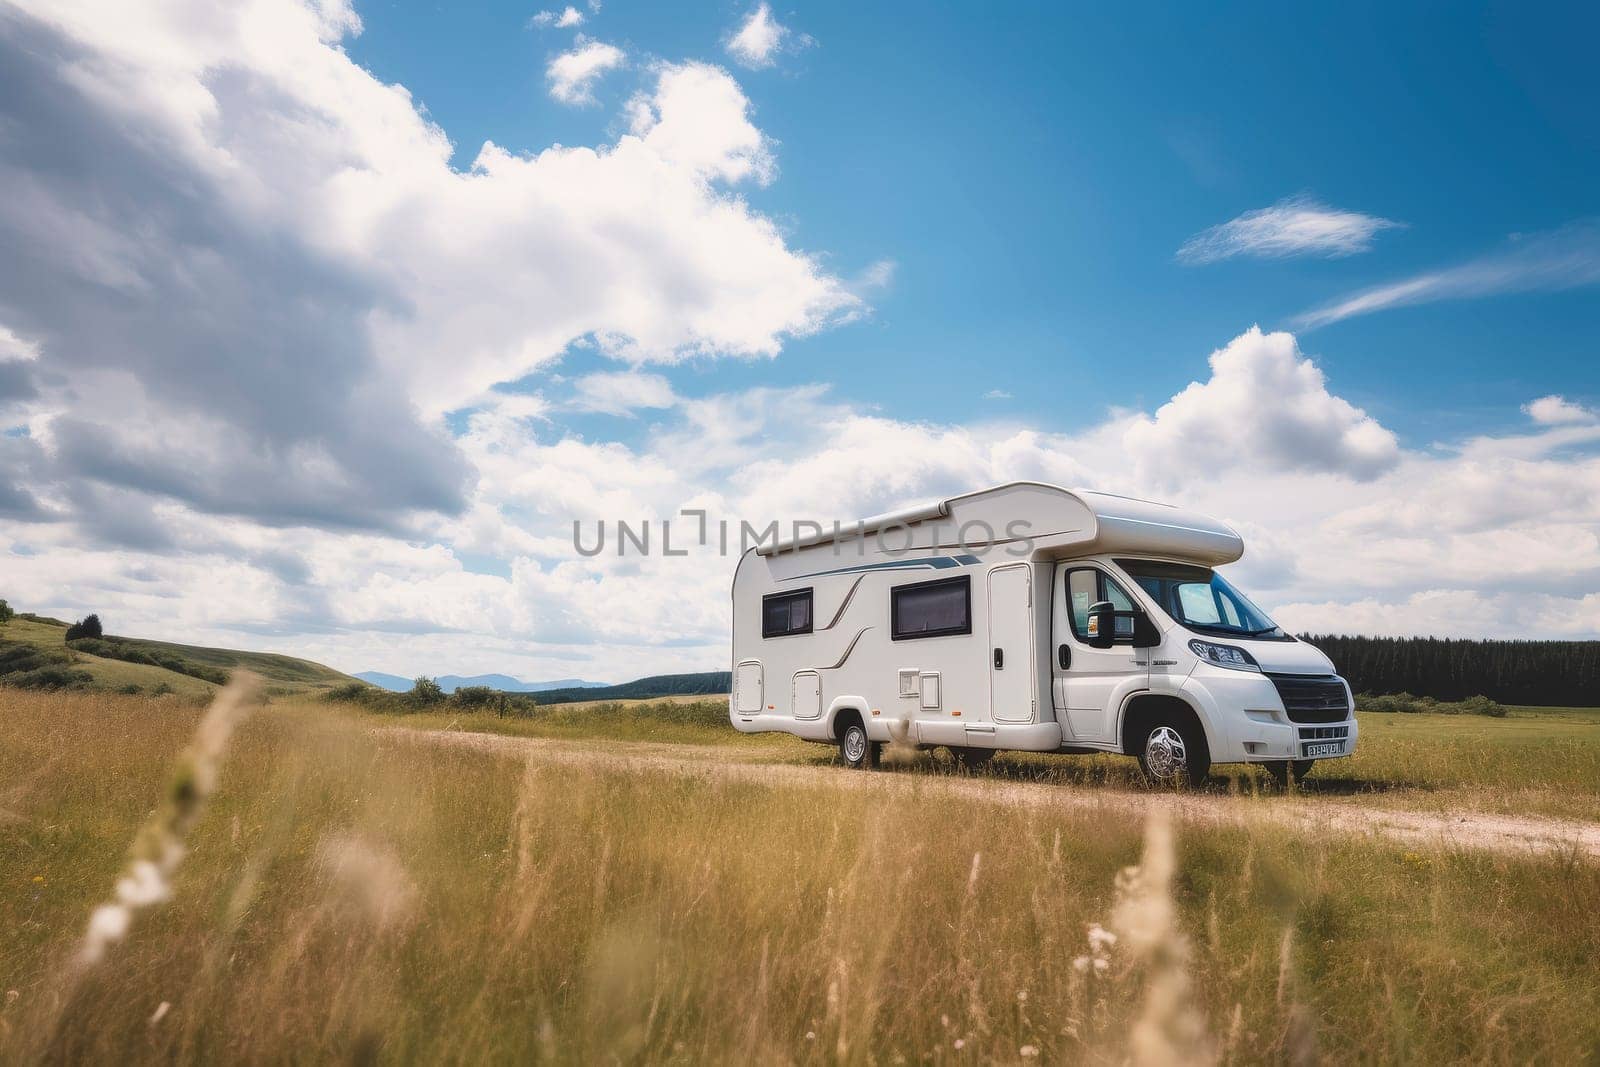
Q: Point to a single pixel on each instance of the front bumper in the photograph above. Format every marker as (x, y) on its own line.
(1246, 722)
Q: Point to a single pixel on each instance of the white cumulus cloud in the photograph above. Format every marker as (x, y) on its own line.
(572, 75)
(1557, 410)
(760, 38)
(305, 285)
(1265, 403)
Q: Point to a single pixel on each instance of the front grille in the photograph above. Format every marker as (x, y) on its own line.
(1324, 733)
(1312, 697)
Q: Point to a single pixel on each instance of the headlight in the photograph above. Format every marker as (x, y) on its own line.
(1224, 656)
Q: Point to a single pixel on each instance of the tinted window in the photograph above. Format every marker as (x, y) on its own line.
(1201, 599)
(783, 614)
(1197, 604)
(1087, 586)
(931, 609)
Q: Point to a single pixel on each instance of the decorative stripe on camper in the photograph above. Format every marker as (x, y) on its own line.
(925, 563)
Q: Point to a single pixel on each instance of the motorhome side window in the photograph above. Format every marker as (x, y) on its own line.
(1089, 585)
(931, 609)
(783, 614)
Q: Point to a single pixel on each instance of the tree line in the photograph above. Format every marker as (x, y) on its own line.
(1560, 673)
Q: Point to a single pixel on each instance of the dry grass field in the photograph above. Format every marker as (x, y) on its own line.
(352, 890)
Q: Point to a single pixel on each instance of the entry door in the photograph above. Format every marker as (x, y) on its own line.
(1087, 691)
(1011, 678)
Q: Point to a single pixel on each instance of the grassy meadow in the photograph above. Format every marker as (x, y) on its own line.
(352, 892)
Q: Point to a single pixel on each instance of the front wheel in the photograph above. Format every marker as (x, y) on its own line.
(855, 748)
(1174, 753)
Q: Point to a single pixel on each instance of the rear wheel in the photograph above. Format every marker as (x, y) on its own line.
(855, 748)
(1173, 752)
(972, 759)
(1281, 769)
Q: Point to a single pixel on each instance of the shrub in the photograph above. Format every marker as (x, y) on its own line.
(425, 692)
(88, 626)
(1407, 704)
(119, 648)
(25, 666)
(1482, 705)
(475, 696)
(6, 614)
(49, 677)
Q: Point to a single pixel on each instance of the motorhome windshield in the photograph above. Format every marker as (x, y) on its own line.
(1202, 599)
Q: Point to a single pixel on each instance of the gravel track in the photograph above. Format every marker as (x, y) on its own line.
(1303, 814)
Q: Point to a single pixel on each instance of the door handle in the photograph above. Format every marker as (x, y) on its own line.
(1064, 657)
(999, 659)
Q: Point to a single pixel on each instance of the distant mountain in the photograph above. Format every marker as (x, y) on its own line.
(451, 682)
(392, 682)
(705, 683)
(507, 684)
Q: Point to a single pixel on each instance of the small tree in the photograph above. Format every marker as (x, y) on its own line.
(6, 614)
(425, 691)
(88, 626)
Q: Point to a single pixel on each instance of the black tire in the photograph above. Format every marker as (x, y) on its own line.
(856, 749)
(972, 759)
(1172, 751)
(1281, 769)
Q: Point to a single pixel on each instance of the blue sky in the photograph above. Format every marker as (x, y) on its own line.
(324, 320)
(1032, 176)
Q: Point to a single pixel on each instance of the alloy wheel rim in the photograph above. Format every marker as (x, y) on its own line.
(855, 744)
(1164, 752)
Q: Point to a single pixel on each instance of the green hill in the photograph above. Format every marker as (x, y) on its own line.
(33, 645)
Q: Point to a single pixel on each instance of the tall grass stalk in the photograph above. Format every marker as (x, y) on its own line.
(1169, 1028)
(159, 847)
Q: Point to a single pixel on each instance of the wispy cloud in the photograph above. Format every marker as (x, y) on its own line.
(1298, 226)
(997, 394)
(572, 74)
(623, 393)
(878, 276)
(569, 16)
(1564, 258)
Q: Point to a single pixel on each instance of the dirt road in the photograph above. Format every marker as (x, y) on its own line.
(1453, 829)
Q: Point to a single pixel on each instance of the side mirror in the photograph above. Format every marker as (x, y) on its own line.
(1101, 631)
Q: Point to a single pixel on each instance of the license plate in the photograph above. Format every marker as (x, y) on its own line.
(1326, 748)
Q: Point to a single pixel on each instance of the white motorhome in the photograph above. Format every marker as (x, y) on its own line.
(1035, 618)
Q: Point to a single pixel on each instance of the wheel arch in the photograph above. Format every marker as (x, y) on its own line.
(1140, 707)
(841, 706)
